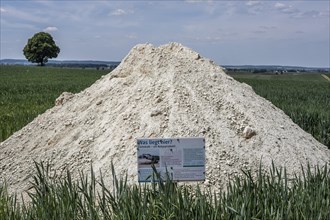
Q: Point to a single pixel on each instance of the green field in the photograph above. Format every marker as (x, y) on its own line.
(27, 91)
(304, 97)
(273, 196)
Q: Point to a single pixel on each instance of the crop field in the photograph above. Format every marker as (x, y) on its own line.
(304, 97)
(273, 196)
(27, 91)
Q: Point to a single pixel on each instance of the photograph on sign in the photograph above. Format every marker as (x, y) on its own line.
(146, 157)
(182, 158)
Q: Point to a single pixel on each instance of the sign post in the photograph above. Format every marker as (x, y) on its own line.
(182, 158)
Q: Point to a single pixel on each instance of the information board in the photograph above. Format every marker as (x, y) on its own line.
(183, 158)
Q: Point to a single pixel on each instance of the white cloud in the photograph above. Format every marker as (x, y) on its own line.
(50, 29)
(119, 12)
(17, 15)
(314, 14)
(254, 7)
(252, 3)
(196, 23)
(291, 10)
(199, 1)
(280, 6)
(287, 9)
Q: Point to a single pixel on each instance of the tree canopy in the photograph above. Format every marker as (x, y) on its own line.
(40, 48)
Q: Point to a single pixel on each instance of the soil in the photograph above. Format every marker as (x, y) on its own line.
(166, 91)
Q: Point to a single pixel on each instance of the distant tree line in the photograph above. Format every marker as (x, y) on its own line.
(274, 70)
(83, 65)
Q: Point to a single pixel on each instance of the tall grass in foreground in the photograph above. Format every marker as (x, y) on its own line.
(271, 196)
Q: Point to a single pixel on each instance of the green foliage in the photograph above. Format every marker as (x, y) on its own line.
(267, 196)
(27, 91)
(275, 196)
(40, 48)
(305, 98)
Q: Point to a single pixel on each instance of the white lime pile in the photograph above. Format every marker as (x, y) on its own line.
(166, 91)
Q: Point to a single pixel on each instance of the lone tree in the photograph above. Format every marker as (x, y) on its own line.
(40, 48)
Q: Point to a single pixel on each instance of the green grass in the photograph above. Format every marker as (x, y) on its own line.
(27, 91)
(304, 97)
(264, 197)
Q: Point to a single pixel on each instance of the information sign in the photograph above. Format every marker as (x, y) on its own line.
(183, 158)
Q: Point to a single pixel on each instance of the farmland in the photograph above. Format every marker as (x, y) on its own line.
(266, 197)
(304, 97)
(27, 91)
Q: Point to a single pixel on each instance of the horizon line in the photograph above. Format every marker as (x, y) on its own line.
(84, 60)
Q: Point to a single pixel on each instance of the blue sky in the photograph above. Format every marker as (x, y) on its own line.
(228, 32)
